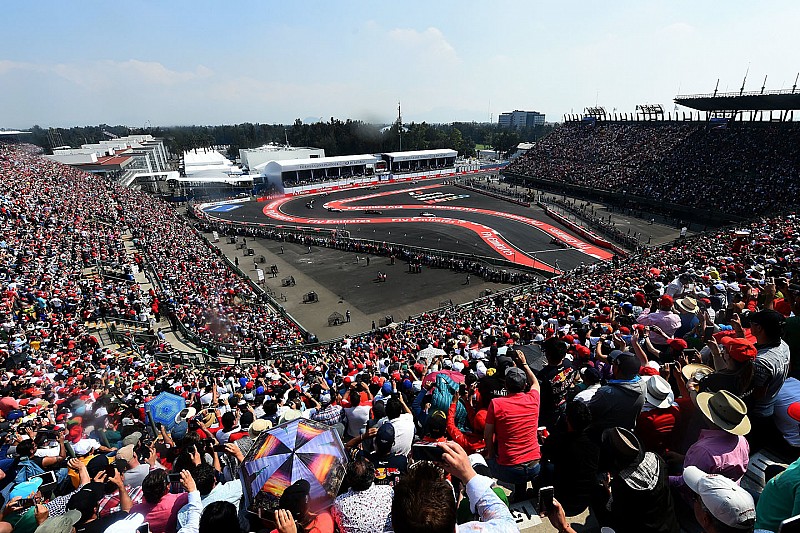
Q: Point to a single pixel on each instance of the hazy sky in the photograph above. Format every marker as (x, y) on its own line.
(65, 63)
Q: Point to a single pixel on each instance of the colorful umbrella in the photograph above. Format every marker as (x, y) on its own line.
(300, 449)
(458, 377)
(164, 408)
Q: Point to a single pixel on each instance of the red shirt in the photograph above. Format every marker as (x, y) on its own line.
(654, 428)
(516, 420)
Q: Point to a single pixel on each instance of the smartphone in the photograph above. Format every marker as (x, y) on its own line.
(790, 525)
(48, 478)
(545, 499)
(219, 448)
(692, 355)
(111, 471)
(144, 528)
(427, 452)
(707, 333)
(174, 477)
(26, 503)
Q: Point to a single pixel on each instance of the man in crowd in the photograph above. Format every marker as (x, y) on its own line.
(511, 428)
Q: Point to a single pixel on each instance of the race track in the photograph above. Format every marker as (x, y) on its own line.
(458, 220)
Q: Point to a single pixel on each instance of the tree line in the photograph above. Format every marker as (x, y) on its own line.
(336, 137)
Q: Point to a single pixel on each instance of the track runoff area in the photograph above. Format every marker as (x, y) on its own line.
(430, 214)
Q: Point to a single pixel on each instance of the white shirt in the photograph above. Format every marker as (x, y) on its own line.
(587, 394)
(403, 433)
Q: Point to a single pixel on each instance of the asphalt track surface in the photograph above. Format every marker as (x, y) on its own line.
(464, 221)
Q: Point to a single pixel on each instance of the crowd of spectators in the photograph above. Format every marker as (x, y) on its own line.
(638, 391)
(755, 165)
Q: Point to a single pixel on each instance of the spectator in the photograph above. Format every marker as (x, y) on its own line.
(424, 503)
(771, 366)
(160, 507)
(662, 318)
(721, 447)
(211, 491)
(779, 500)
(636, 495)
(511, 429)
(403, 421)
(294, 515)
(619, 402)
(659, 422)
(389, 466)
(721, 506)
(555, 379)
(365, 507)
(570, 460)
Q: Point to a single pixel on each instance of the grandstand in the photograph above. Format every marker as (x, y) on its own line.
(670, 166)
(297, 175)
(76, 248)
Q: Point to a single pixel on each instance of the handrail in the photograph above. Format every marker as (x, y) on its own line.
(737, 94)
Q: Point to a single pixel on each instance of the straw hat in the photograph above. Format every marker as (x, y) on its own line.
(725, 410)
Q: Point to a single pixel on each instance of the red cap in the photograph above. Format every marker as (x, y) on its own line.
(677, 344)
(583, 351)
(794, 410)
(740, 349)
(666, 301)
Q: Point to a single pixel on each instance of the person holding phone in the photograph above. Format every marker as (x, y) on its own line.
(87, 499)
(512, 443)
(436, 511)
(160, 507)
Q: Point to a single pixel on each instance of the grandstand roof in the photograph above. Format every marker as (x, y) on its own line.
(747, 101)
(421, 154)
(319, 162)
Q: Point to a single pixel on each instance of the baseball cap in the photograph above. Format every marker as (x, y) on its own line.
(85, 500)
(26, 488)
(60, 524)
(740, 349)
(725, 500)
(627, 362)
(794, 410)
(385, 437)
(517, 377)
(132, 439)
(125, 453)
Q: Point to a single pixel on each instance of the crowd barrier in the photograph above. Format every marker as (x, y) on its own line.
(583, 232)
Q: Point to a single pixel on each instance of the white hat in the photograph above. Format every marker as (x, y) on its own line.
(127, 524)
(725, 500)
(480, 369)
(477, 459)
(658, 393)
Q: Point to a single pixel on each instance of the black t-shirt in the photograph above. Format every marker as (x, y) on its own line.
(389, 468)
(555, 383)
(100, 525)
(491, 387)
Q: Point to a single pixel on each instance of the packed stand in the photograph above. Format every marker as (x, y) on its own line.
(687, 163)
(638, 392)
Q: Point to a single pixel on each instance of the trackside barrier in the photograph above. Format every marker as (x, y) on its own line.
(580, 230)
